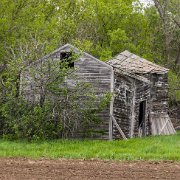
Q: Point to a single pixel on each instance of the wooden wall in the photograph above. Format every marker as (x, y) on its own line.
(86, 69)
(123, 102)
(159, 91)
(129, 92)
(160, 120)
(100, 76)
(142, 94)
(155, 94)
(126, 105)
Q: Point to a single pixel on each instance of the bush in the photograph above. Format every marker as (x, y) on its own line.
(174, 88)
(50, 103)
(21, 119)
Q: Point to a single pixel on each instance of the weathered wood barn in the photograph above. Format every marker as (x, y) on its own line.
(141, 96)
(139, 105)
(86, 69)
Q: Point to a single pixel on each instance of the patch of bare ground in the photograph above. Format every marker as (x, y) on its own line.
(19, 168)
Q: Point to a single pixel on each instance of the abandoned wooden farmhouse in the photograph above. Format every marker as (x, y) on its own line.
(139, 105)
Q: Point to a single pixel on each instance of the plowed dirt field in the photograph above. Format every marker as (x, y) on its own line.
(22, 169)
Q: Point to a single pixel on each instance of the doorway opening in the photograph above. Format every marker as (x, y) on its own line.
(142, 117)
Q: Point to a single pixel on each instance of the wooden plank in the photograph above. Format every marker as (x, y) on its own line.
(152, 127)
(118, 127)
(110, 129)
(166, 128)
(164, 124)
(155, 127)
(111, 106)
(133, 110)
(140, 78)
(172, 131)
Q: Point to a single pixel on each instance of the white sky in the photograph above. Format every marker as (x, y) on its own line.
(146, 2)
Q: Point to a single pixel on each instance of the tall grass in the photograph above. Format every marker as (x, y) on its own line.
(149, 148)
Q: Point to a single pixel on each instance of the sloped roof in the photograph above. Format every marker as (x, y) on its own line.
(130, 62)
(69, 47)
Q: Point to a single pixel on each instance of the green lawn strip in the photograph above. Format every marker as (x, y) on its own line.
(149, 148)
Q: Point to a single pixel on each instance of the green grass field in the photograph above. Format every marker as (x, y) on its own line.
(149, 148)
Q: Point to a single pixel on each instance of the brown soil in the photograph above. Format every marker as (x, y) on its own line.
(16, 168)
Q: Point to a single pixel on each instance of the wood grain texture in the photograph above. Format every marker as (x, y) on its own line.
(130, 78)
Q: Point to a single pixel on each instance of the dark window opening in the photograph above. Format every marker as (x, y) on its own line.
(66, 57)
(128, 96)
(142, 113)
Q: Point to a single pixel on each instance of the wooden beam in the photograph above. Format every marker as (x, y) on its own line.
(163, 126)
(111, 106)
(118, 127)
(110, 129)
(135, 76)
(133, 110)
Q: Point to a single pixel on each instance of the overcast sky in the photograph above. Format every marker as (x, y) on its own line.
(146, 2)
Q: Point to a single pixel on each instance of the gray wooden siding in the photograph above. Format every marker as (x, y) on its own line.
(122, 108)
(86, 69)
(142, 94)
(99, 75)
(126, 109)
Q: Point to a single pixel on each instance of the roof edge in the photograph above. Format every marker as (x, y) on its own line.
(158, 69)
(76, 51)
